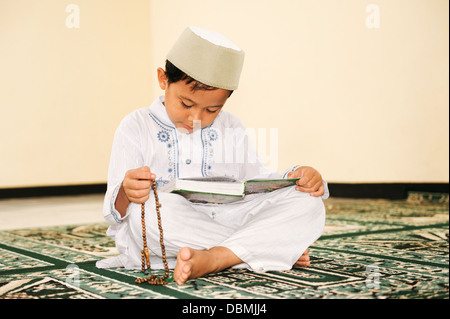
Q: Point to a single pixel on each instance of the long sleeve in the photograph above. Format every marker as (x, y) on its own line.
(125, 155)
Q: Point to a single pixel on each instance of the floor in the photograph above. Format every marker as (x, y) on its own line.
(50, 211)
(370, 249)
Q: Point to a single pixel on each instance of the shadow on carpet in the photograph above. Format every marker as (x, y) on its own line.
(371, 249)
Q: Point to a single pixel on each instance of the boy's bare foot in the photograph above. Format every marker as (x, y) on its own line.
(192, 263)
(303, 261)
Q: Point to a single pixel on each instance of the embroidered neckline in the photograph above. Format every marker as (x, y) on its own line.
(168, 135)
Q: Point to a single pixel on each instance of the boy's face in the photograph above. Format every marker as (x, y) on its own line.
(185, 106)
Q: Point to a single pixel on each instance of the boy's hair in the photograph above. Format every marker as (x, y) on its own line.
(174, 75)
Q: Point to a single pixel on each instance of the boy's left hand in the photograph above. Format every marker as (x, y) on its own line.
(310, 182)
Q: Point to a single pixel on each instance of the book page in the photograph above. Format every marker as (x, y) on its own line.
(205, 198)
(212, 179)
(265, 186)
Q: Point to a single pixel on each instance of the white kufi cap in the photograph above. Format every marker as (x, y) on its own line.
(208, 57)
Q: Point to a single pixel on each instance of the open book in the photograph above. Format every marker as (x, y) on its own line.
(222, 189)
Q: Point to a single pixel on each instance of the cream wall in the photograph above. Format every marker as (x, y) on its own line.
(360, 104)
(64, 90)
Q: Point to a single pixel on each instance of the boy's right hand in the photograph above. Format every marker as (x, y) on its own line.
(137, 184)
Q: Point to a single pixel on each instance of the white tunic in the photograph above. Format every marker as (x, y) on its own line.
(147, 137)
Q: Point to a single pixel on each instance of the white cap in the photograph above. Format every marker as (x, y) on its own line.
(208, 57)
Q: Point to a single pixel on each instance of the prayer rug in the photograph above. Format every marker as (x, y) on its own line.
(370, 249)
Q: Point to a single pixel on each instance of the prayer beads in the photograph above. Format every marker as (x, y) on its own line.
(145, 256)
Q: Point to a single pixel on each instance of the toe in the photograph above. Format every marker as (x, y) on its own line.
(185, 253)
(304, 258)
(187, 270)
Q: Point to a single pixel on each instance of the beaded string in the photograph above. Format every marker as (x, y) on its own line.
(145, 257)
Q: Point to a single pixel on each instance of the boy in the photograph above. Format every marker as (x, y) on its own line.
(183, 134)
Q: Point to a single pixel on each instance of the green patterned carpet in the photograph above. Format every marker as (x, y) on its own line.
(371, 249)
